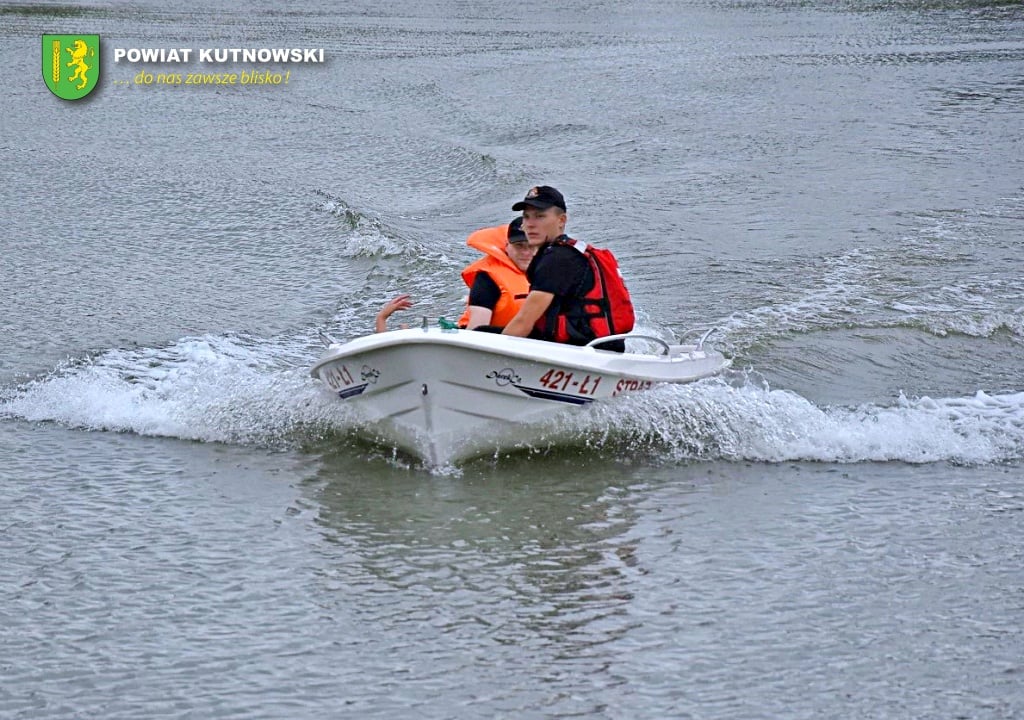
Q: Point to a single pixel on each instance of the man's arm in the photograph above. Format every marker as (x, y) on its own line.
(399, 302)
(483, 297)
(478, 316)
(534, 306)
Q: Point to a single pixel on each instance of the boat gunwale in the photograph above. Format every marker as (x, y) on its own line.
(589, 358)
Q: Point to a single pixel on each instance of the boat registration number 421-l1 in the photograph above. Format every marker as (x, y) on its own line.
(568, 382)
(337, 376)
(564, 381)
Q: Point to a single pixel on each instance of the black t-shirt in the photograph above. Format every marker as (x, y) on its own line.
(485, 292)
(560, 270)
(563, 271)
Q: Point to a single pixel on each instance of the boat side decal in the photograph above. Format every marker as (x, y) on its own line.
(336, 376)
(627, 385)
(369, 374)
(503, 377)
(569, 382)
(346, 393)
(554, 395)
(339, 378)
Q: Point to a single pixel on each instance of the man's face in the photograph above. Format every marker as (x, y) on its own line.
(521, 253)
(541, 226)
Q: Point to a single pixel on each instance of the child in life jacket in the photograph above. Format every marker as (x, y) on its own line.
(497, 282)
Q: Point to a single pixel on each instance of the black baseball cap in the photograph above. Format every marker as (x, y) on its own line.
(515, 231)
(541, 197)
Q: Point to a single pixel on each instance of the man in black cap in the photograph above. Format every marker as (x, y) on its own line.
(560, 276)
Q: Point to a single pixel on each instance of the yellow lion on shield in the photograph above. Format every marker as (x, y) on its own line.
(78, 54)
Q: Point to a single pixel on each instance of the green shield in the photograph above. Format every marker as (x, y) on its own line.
(71, 64)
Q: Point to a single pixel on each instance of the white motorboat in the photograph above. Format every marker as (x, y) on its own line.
(446, 395)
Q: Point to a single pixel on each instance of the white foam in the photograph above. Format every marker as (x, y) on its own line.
(718, 420)
(247, 391)
(208, 388)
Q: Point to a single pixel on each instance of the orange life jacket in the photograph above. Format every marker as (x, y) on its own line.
(506, 274)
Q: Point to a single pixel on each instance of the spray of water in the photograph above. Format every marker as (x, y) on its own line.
(228, 390)
(257, 391)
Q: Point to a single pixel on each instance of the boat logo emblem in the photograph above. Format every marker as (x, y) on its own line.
(503, 377)
(370, 374)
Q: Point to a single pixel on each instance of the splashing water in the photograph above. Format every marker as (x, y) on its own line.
(715, 419)
(238, 390)
(218, 389)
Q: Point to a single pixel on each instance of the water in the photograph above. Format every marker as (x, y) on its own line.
(190, 528)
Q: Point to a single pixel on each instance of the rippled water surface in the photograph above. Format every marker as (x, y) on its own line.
(191, 528)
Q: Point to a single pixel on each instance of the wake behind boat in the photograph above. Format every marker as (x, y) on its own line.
(446, 395)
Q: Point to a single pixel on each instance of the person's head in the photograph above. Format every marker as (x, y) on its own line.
(544, 214)
(517, 248)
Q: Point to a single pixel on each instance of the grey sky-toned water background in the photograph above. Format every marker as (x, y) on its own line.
(191, 528)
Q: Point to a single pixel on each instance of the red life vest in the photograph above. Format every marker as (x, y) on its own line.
(605, 309)
(511, 281)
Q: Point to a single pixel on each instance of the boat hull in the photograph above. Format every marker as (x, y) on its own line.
(445, 396)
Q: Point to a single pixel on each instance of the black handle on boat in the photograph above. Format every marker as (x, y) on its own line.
(624, 336)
